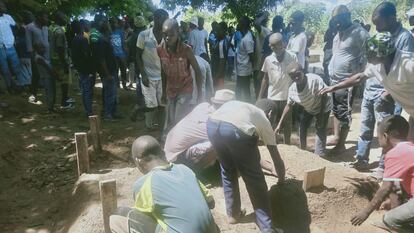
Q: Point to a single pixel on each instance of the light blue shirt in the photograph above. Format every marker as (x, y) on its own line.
(6, 34)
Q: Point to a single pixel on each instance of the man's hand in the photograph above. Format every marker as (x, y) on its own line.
(359, 218)
(326, 90)
(145, 80)
(277, 130)
(211, 204)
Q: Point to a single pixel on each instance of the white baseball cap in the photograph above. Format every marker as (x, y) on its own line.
(410, 12)
(223, 96)
(194, 21)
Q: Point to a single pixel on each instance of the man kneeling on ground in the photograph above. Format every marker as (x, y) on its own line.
(168, 198)
(399, 168)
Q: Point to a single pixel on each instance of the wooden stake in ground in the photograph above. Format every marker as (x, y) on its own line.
(95, 133)
(109, 201)
(313, 178)
(82, 154)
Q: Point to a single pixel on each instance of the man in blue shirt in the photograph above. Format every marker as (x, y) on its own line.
(168, 198)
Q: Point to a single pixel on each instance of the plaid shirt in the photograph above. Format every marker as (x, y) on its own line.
(177, 68)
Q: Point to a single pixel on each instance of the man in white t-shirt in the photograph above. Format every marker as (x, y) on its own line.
(276, 81)
(244, 61)
(393, 68)
(198, 37)
(8, 57)
(150, 66)
(261, 32)
(234, 130)
(304, 91)
(298, 40)
(187, 143)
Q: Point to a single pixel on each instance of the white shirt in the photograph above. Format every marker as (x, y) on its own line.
(189, 131)
(400, 80)
(207, 88)
(197, 40)
(248, 118)
(230, 52)
(308, 98)
(152, 64)
(259, 46)
(6, 34)
(297, 45)
(278, 73)
(245, 47)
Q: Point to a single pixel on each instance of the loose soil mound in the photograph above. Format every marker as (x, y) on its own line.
(327, 209)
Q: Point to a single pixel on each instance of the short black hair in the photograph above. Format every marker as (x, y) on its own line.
(278, 20)
(386, 9)
(298, 16)
(396, 126)
(158, 13)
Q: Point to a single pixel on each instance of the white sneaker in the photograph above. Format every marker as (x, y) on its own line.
(32, 100)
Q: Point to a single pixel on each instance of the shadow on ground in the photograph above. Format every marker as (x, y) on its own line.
(289, 206)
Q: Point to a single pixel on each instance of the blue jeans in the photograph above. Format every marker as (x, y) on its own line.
(237, 151)
(9, 56)
(109, 92)
(371, 111)
(320, 124)
(87, 83)
(398, 109)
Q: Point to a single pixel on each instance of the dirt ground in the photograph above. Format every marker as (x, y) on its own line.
(42, 193)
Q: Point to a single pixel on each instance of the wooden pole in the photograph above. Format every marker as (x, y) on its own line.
(109, 201)
(95, 133)
(82, 152)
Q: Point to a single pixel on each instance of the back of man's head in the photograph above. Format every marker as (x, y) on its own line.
(395, 126)
(386, 10)
(298, 17)
(146, 148)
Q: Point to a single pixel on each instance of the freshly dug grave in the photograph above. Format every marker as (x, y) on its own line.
(323, 210)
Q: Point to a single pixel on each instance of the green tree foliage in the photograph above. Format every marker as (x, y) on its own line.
(237, 8)
(362, 9)
(78, 7)
(316, 17)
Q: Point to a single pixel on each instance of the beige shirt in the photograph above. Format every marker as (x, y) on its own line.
(259, 46)
(297, 45)
(278, 73)
(400, 80)
(248, 118)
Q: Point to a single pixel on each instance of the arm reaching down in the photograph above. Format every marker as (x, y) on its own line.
(278, 162)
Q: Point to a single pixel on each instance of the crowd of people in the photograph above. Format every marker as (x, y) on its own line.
(178, 71)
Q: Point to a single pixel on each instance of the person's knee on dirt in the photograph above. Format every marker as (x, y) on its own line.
(304, 91)
(399, 167)
(234, 130)
(180, 205)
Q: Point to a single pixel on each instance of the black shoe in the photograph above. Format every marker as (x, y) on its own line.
(360, 165)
